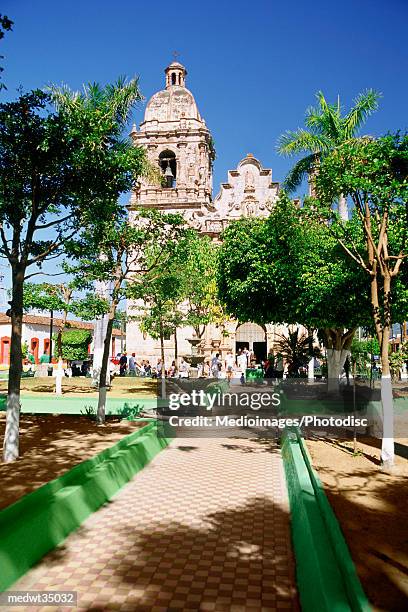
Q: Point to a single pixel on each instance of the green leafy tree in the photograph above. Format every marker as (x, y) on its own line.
(397, 360)
(326, 127)
(185, 293)
(160, 300)
(6, 25)
(51, 298)
(124, 249)
(197, 269)
(60, 171)
(160, 315)
(60, 298)
(75, 343)
(374, 174)
(290, 269)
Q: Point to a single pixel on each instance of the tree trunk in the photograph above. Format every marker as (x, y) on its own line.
(310, 366)
(310, 369)
(175, 346)
(387, 446)
(58, 378)
(338, 343)
(163, 371)
(100, 417)
(11, 437)
(335, 363)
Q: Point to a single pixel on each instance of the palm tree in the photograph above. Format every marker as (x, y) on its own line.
(294, 348)
(114, 101)
(327, 128)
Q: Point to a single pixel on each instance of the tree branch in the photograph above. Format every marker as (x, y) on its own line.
(5, 242)
(52, 223)
(50, 249)
(44, 274)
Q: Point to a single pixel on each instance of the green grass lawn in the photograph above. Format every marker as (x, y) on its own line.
(38, 395)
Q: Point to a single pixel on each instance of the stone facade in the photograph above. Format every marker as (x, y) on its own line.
(179, 143)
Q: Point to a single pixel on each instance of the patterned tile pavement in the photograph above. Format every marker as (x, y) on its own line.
(204, 527)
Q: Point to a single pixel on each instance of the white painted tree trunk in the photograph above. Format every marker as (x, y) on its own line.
(335, 363)
(59, 375)
(11, 437)
(343, 209)
(310, 369)
(100, 328)
(387, 446)
(100, 417)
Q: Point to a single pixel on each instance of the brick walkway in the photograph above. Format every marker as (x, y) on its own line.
(204, 527)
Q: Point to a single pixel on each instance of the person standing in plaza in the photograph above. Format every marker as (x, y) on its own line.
(242, 362)
(159, 367)
(183, 369)
(173, 369)
(215, 366)
(279, 366)
(347, 367)
(123, 364)
(147, 368)
(269, 366)
(229, 365)
(132, 365)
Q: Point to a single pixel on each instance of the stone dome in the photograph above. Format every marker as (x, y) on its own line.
(172, 104)
(175, 102)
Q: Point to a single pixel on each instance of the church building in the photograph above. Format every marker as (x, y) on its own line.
(178, 141)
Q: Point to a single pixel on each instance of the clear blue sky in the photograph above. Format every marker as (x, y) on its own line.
(253, 67)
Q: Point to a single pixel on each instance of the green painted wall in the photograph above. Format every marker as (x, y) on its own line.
(326, 576)
(41, 520)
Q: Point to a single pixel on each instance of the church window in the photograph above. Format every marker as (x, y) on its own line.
(173, 78)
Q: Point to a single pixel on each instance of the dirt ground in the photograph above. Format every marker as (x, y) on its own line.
(372, 509)
(125, 387)
(50, 445)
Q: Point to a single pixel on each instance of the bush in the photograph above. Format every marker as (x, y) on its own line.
(75, 344)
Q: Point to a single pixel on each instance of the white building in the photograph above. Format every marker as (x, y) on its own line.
(36, 334)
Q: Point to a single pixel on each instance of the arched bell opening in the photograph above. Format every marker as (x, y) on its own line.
(168, 167)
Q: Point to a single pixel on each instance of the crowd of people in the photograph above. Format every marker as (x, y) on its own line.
(215, 367)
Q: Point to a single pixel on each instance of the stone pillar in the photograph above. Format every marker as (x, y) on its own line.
(182, 164)
(270, 337)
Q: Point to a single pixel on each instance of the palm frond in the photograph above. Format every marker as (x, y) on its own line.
(324, 105)
(290, 143)
(330, 119)
(122, 96)
(115, 100)
(364, 105)
(314, 119)
(299, 172)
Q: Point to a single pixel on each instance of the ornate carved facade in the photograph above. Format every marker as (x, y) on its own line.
(179, 143)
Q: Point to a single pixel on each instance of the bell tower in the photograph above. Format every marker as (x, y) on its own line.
(179, 144)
